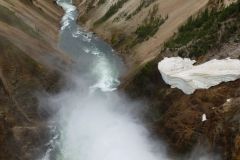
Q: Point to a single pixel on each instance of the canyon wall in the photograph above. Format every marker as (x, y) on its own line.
(213, 34)
(119, 28)
(29, 64)
(143, 32)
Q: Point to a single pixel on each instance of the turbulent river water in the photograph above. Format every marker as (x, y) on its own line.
(94, 121)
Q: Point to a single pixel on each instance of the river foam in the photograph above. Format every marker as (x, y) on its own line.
(69, 13)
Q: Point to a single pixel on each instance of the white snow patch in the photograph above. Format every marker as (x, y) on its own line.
(229, 100)
(204, 117)
(181, 73)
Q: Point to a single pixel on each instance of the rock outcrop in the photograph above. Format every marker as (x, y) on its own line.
(177, 117)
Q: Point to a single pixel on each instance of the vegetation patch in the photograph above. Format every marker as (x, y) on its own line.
(90, 5)
(150, 25)
(207, 31)
(147, 29)
(112, 10)
(120, 16)
(143, 4)
(126, 16)
(100, 2)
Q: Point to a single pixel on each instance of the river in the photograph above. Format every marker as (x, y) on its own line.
(95, 121)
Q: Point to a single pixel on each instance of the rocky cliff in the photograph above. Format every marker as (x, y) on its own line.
(178, 117)
(28, 41)
(129, 24)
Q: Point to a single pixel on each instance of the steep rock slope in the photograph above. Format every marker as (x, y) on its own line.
(120, 21)
(177, 116)
(28, 44)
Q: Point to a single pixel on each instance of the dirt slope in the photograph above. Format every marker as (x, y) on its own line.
(178, 11)
(28, 44)
(178, 117)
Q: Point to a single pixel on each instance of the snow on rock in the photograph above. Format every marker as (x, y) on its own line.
(229, 100)
(181, 73)
(204, 117)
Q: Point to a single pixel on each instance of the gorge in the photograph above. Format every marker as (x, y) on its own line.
(65, 94)
(95, 121)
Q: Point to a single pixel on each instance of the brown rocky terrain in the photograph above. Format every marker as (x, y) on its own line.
(28, 44)
(176, 116)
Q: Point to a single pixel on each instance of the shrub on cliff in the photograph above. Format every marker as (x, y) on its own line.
(206, 31)
(150, 25)
(112, 10)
